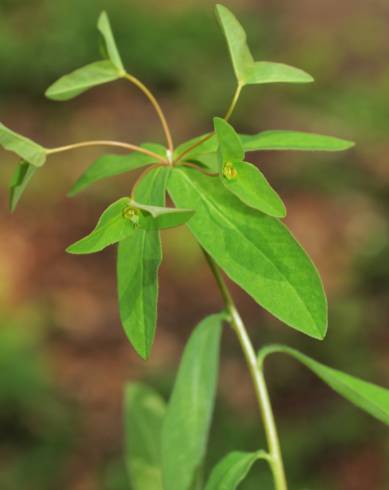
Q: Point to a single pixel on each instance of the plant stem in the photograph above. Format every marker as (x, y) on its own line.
(227, 116)
(157, 108)
(233, 102)
(261, 392)
(118, 144)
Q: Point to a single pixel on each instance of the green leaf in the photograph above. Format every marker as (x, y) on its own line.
(293, 140)
(186, 426)
(256, 251)
(138, 261)
(230, 145)
(111, 227)
(162, 217)
(251, 187)
(241, 178)
(268, 72)
(27, 149)
(20, 179)
(247, 70)
(111, 165)
(367, 396)
(144, 412)
(81, 80)
(271, 140)
(104, 27)
(232, 470)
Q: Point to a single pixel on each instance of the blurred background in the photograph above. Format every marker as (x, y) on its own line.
(64, 358)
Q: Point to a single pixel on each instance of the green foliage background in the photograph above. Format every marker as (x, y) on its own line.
(65, 357)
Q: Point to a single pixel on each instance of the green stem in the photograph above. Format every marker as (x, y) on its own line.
(227, 116)
(117, 144)
(158, 110)
(233, 102)
(261, 392)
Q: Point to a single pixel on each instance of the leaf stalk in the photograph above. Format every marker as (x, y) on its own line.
(118, 144)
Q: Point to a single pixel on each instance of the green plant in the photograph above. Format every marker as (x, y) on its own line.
(234, 214)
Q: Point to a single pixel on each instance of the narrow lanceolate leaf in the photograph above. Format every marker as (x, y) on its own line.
(232, 470)
(144, 411)
(230, 145)
(104, 26)
(27, 149)
(367, 396)
(268, 72)
(138, 261)
(247, 70)
(251, 187)
(293, 140)
(20, 179)
(187, 422)
(111, 165)
(112, 227)
(83, 79)
(256, 251)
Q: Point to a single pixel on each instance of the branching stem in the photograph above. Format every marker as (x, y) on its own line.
(227, 117)
(261, 392)
(157, 108)
(118, 144)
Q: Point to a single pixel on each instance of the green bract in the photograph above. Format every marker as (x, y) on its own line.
(122, 218)
(241, 178)
(247, 70)
(188, 417)
(255, 250)
(367, 396)
(27, 149)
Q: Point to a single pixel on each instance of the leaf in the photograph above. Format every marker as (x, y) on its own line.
(232, 470)
(293, 140)
(162, 217)
(144, 412)
(230, 145)
(104, 27)
(272, 140)
(247, 70)
(186, 426)
(367, 396)
(111, 227)
(111, 165)
(251, 187)
(138, 261)
(81, 80)
(268, 72)
(27, 149)
(256, 251)
(241, 178)
(20, 179)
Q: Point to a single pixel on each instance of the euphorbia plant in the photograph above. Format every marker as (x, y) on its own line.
(234, 214)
